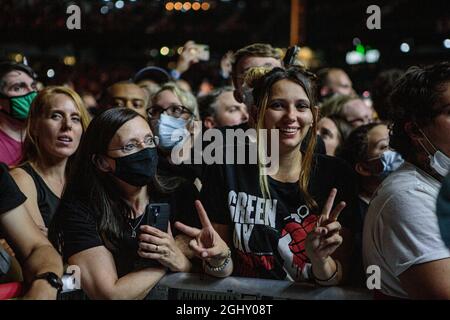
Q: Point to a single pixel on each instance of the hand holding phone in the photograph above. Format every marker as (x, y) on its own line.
(156, 244)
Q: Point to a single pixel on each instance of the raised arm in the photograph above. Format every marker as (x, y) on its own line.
(208, 245)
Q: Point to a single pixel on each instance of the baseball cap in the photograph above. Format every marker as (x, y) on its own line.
(159, 75)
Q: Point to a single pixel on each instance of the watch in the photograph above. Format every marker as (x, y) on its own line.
(52, 279)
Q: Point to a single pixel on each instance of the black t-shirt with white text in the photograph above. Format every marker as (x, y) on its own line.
(269, 234)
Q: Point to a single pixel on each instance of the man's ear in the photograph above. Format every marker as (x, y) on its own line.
(362, 169)
(101, 163)
(412, 130)
(209, 122)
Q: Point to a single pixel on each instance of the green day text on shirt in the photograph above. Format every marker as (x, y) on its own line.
(262, 244)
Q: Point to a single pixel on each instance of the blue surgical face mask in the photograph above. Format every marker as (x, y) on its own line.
(171, 131)
(390, 161)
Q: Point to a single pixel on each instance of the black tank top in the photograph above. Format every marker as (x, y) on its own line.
(47, 201)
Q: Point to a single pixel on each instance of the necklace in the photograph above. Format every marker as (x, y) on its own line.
(133, 229)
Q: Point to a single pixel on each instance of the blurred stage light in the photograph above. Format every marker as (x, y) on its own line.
(447, 43)
(187, 6)
(164, 51)
(169, 6)
(153, 52)
(120, 4)
(104, 10)
(356, 41)
(354, 57)
(196, 6)
(404, 47)
(372, 56)
(17, 57)
(205, 6)
(178, 6)
(180, 50)
(305, 53)
(50, 73)
(70, 60)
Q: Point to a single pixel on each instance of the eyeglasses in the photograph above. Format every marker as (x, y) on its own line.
(148, 142)
(176, 111)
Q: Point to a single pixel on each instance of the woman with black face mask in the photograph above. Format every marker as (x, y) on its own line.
(102, 223)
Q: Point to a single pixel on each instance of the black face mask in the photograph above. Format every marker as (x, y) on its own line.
(138, 168)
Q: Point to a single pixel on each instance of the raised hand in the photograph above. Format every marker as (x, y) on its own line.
(187, 57)
(206, 242)
(325, 238)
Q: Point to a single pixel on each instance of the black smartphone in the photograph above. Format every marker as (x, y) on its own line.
(158, 216)
(291, 56)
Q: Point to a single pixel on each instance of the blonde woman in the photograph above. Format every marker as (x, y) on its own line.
(55, 125)
(172, 109)
(284, 225)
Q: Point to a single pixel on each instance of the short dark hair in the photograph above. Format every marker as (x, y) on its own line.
(381, 89)
(207, 104)
(8, 66)
(355, 147)
(415, 97)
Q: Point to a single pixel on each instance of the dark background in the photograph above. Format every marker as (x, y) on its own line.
(114, 45)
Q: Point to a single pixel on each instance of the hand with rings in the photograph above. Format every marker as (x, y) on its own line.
(158, 245)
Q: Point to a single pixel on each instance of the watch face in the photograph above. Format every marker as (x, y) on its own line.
(52, 279)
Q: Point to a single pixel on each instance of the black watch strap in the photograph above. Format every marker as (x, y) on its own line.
(52, 279)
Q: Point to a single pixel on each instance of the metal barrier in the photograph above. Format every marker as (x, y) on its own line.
(190, 286)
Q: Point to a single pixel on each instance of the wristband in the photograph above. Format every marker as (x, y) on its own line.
(330, 279)
(222, 266)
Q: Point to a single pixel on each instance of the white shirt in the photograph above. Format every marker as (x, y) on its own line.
(401, 228)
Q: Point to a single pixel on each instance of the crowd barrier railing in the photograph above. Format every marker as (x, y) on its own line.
(191, 286)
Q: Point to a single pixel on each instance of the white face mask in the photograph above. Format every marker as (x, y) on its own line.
(438, 161)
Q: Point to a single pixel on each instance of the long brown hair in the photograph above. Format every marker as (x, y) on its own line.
(261, 90)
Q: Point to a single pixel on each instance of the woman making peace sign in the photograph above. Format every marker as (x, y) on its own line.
(281, 225)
